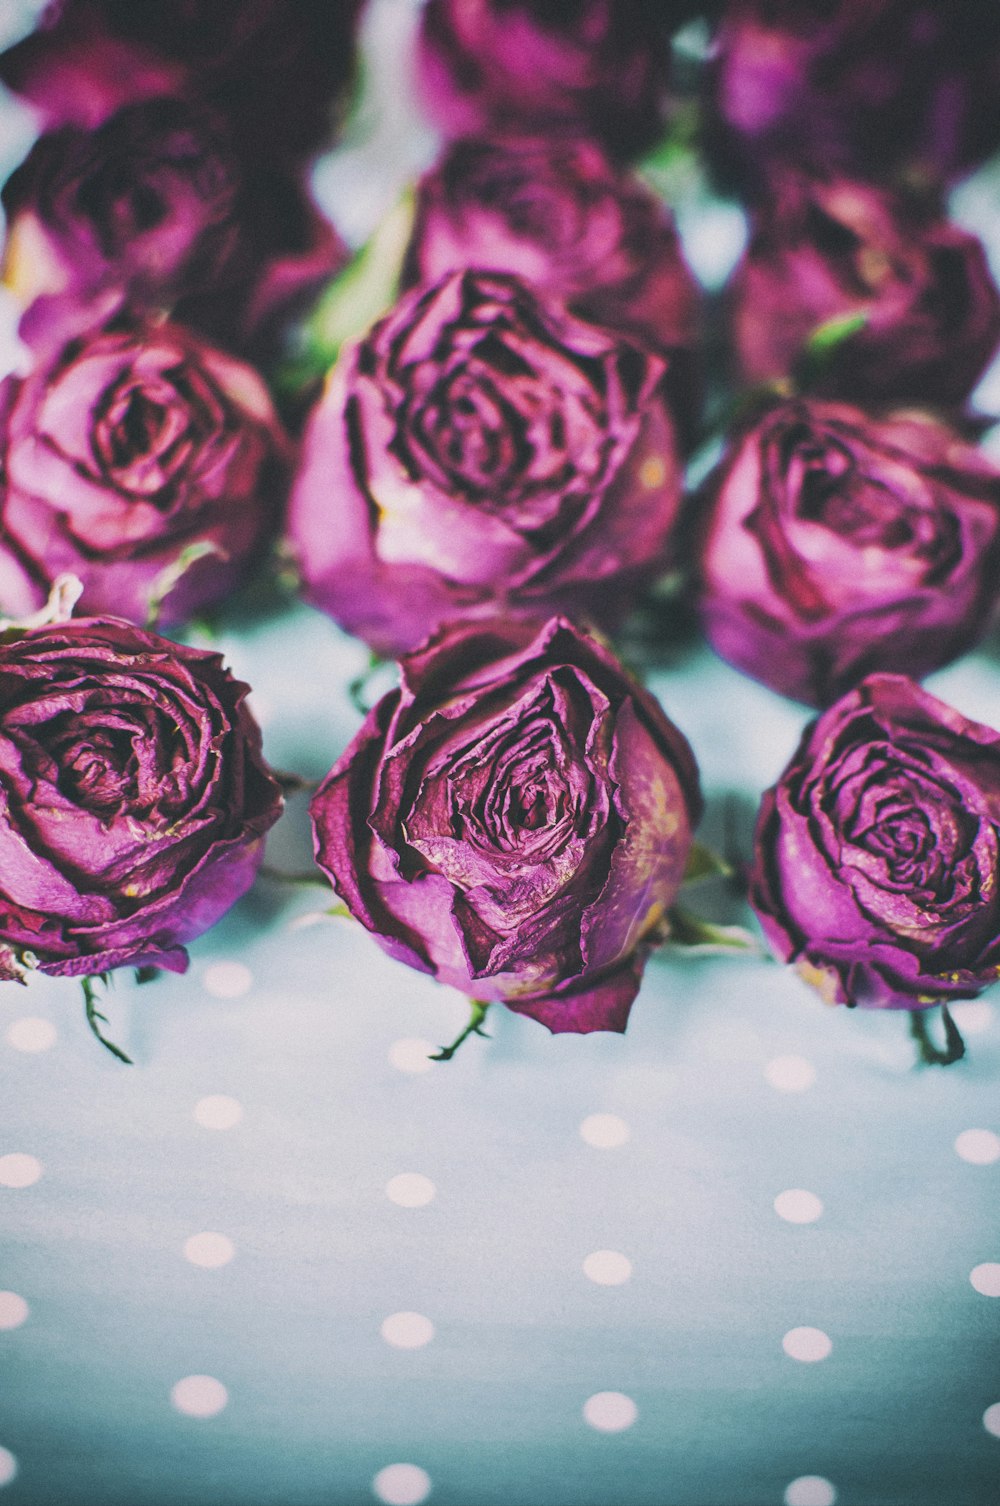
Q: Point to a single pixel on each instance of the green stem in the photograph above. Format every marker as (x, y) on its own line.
(94, 1016)
(356, 688)
(476, 1017)
(930, 1054)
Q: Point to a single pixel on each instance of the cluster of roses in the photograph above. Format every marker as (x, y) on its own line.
(491, 470)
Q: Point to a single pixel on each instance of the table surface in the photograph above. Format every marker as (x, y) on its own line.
(747, 1253)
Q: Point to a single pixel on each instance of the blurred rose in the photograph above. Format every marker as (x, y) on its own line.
(598, 66)
(480, 451)
(276, 69)
(135, 798)
(558, 214)
(859, 86)
(156, 205)
(515, 820)
(876, 852)
(823, 249)
(834, 544)
(143, 461)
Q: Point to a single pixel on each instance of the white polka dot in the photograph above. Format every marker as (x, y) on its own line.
(411, 1055)
(797, 1206)
(810, 1490)
(790, 1074)
(991, 1419)
(402, 1485)
(210, 1251)
(986, 1278)
(13, 1310)
(610, 1411)
(407, 1330)
(227, 980)
(199, 1396)
(31, 1034)
(806, 1344)
(607, 1267)
(410, 1190)
(8, 1466)
(17, 1170)
(604, 1131)
(217, 1112)
(980, 1147)
(973, 1016)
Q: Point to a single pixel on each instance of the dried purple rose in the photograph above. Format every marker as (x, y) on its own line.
(834, 543)
(876, 856)
(822, 249)
(135, 798)
(598, 67)
(515, 820)
(157, 205)
(480, 452)
(275, 68)
(860, 86)
(143, 461)
(556, 212)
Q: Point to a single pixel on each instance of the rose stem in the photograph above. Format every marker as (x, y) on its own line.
(94, 1014)
(931, 1055)
(474, 1027)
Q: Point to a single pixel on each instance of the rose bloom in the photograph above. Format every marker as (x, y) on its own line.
(143, 461)
(556, 212)
(860, 86)
(135, 798)
(825, 248)
(834, 543)
(597, 66)
(876, 853)
(275, 68)
(156, 204)
(515, 820)
(480, 452)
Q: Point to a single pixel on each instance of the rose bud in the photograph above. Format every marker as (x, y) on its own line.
(834, 543)
(143, 461)
(824, 249)
(557, 213)
(156, 204)
(135, 798)
(480, 452)
(596, 66)
(875, 860)
(515, 820)
(274, 68)
(867, 88)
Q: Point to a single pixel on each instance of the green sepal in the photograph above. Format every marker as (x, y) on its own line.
(171, 574)
(928, 1053)
(823, 345)
(95, 1018)
(477, 1014)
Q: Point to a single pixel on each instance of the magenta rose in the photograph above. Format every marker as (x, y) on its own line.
(876, 852)
(515, 820)
(865, 87)
(143, 461)
(135, 798)
(598, 67)
(156, 205)
(834, 543)
(479, 452)
(824, 249)
(556, 212)
(275, 69)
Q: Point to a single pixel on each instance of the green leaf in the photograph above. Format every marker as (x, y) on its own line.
(691, 932)
(704, 863)
(826, 337)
